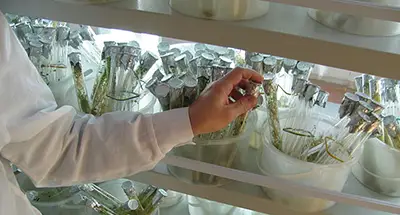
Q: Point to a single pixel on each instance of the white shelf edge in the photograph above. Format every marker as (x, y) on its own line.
(354, 7)
(214, 193)
(280, 184)
(377, 56)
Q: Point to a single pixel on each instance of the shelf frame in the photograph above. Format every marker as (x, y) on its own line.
(284, 31)
(279, 184)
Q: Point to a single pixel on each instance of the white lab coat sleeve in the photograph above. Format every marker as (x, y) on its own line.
(58, 147)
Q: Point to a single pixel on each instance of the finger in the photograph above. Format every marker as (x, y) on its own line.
(242, 105)
(236, 95)
(243, 84)
(238, 74)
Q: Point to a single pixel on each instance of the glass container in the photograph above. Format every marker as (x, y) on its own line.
(226, 152)
(230, 10)
(356, 24)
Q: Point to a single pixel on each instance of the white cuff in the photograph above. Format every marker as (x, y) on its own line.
(172, 128)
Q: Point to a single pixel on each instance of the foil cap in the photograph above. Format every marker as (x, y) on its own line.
(161, 193)
(62, 33)
(158, 74)
(135, 44)
(289, 64)
(322, 98)
(311, 93)
(162, 90)
(189, 56)
(75, 39)
(181, 63)
(358, 122)
(363, 97)
(269, 64)
(390, 90)
(32, 195)
(225, 61)
(36, 44)
(304, 66)
(168, 61)
(231, 54)
(217, 72)
(359, 83)
(127, 185)
(199, 47)
(122, 44)
(131, 50)
(193, 66)
(131, 204)
(206, 59)
(175, 83)
(190, 81)
(349, 103)
(363, 107)
(376, 121)
(391, 125)
(128, 61)
(176, 51)
(148, 60)
(152, 84)
(378, 107)
(166, 78)
(373, 87)
(86, 33)
(257, 63)
(304, 69)
(248, 55)
(253, 88)
(48, 35)
(299, 86)
(365, 82)
(163, 48)
(74, 57)
(268, 83)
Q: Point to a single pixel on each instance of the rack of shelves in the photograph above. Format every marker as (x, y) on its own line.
(285, 31)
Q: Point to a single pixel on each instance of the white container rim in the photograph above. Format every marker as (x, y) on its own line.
(307, 164)
(388, 147)
(377, 176)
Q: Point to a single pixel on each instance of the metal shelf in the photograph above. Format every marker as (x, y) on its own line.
(285, 31)
(252, 197)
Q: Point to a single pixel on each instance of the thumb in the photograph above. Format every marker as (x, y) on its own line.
(242, 105)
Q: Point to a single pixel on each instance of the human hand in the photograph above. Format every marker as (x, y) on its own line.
(213, 110)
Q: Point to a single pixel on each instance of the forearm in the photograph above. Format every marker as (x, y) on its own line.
(70, 151)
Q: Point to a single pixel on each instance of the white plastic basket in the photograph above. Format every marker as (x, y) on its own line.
(378, 168)
(199, 206)
(221, 9)
(272, 161)
(357, 24)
